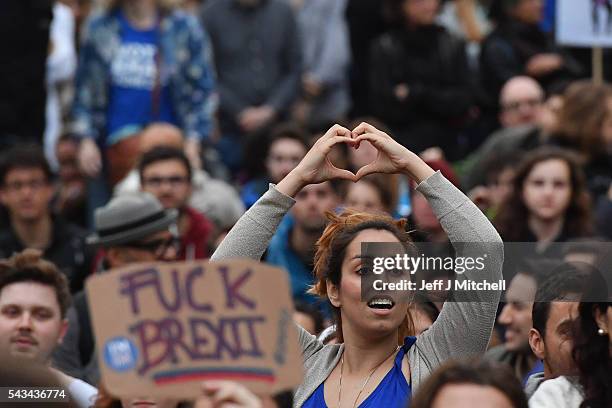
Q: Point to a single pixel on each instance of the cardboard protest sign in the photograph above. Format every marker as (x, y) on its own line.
(586, 23)
(162, 328)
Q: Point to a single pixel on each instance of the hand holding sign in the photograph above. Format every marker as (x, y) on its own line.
(169, 326)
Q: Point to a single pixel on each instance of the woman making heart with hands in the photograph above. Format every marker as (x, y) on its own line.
(378, 362)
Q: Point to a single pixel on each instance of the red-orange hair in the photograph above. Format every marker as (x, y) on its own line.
(331, 249)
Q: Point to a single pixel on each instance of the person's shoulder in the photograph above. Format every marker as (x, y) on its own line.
(79, 298)
(497, 353)
(100, 27)
(8, 242)
(558, 392)
(220, 187)
(198, 220)
(205, 182)
(447, 35)
(210, 7)
(6, 235)
(562, 382)
(256, 186)
(453, 42)
(496, 37)
(220, 193)
(100, 19)
(129, 184)
(279, 243)
(68, 230)
(62, 12)
(280, 5)
(181, 19)
(533, 382)
(513, 134)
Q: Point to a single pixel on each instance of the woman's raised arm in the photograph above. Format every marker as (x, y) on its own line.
(464, 325)
(252, 233)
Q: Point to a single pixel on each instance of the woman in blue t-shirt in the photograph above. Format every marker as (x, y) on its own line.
(141, 62)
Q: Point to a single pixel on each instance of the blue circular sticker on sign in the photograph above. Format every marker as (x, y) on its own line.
(120, 354)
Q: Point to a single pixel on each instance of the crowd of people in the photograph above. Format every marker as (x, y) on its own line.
(291, 132)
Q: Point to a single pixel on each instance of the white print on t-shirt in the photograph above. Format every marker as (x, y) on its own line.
(134, 66)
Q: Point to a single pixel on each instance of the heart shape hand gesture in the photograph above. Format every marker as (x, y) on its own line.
(316, 167)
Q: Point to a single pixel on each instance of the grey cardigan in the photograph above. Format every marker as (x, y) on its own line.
(462, 329)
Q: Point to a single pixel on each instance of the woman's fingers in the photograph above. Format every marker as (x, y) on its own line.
(365, 127)
(332, 141)
(336, 130)
(376, 140)
(337, 173)
(367, 169)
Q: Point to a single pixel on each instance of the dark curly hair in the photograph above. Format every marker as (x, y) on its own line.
(591, 353)
(511, 221)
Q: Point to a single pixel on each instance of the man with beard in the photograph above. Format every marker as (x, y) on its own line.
(34, 300)
(293, 245)
(516, 319)
(553, 314)
(166, 173)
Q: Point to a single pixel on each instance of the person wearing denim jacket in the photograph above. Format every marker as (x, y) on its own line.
(187, 62)
(186, 76)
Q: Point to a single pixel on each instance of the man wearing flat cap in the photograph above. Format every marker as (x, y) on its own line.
(130, 228)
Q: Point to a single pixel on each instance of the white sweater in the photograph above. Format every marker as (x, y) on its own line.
(560, 392)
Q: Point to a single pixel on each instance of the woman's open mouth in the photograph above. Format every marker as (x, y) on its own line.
(381, 303)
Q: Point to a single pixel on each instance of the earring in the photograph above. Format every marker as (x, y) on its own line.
(601, 332)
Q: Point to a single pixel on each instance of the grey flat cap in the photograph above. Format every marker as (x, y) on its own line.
(129, 218)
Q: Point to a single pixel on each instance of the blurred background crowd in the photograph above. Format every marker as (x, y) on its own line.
(203, 103)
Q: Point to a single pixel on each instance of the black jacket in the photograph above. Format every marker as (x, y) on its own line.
(506, 51)
(68, 250)
(433, 64)
(24, 44)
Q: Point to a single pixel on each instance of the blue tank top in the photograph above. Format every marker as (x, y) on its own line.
(392, 392)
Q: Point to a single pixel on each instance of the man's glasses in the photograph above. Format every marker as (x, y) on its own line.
(173, 181)
(514, 106)
(158, 247)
